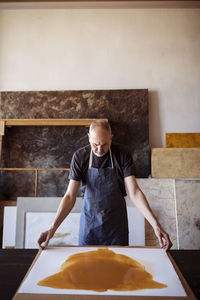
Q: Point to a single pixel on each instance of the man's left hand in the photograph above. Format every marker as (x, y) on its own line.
(163, 237)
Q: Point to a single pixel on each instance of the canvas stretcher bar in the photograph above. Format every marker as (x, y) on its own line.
(0, 149)
(2, 130)
(48, 122)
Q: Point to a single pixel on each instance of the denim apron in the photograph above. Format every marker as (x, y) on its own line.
(104, 214)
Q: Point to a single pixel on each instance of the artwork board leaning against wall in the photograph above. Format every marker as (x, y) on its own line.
(53, 147)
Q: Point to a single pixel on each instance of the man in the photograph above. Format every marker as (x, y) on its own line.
(107, 173)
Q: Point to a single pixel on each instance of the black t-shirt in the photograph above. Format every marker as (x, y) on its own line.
(122, 161)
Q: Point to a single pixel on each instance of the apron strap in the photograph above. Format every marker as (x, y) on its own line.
(90, 159)
(111, 158)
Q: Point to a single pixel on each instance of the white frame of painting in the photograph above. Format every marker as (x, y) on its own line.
(36, 204)
(50, 204)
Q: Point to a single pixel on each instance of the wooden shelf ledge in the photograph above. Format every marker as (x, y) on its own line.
(46, 122)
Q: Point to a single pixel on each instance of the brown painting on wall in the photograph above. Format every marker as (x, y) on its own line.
(53, 147)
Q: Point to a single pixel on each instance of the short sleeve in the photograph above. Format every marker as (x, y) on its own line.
(128, 165)
(75, 168)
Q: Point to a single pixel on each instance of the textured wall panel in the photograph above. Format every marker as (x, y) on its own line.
(17, 184)
(188, 213)
(41, 147)
(160, 194)
(53, 183)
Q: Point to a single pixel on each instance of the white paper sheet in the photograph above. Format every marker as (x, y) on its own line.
(155, 261)
(9, 226)
(66, 234)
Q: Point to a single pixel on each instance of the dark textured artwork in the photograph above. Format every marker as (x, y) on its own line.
(53, 147)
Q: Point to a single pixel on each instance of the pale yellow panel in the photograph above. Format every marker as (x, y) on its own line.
(175, 163)
(183, 140)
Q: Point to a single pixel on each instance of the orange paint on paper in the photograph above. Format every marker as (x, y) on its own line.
(101, 270)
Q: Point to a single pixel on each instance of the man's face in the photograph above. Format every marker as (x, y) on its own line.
(100, 140)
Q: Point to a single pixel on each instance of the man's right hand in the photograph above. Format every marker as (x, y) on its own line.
(44, 238)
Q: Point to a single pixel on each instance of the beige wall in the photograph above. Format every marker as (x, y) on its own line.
(158, 49)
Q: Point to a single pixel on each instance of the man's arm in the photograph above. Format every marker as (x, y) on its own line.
(140, 201)
(64, 209)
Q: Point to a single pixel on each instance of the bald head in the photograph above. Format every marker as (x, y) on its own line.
(100, 123)
(100, 137)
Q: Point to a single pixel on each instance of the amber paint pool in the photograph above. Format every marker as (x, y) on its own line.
(101, 270)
